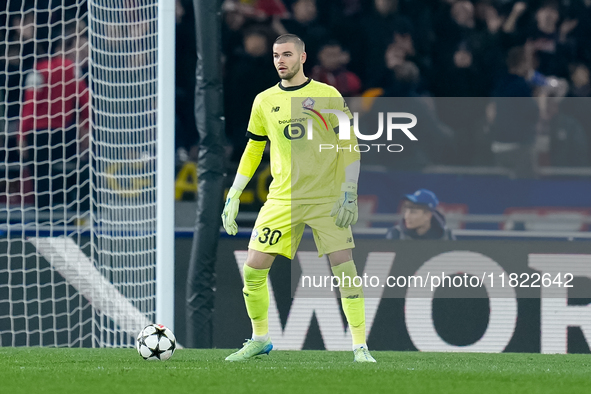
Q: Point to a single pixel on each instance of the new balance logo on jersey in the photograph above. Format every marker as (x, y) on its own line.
(275, 109)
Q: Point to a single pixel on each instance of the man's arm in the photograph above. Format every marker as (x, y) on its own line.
(249, 162)
(351, 158)
(345, 209)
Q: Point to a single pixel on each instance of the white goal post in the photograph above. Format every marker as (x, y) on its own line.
(86, 171)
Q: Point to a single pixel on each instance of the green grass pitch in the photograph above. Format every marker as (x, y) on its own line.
(109, 371)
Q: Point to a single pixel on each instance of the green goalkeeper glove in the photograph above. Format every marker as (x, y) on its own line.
(345, 209)
(231, 211)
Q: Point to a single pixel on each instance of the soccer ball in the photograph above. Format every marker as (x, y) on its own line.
(156, 342)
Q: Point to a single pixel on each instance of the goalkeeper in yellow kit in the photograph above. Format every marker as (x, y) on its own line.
(312, 186)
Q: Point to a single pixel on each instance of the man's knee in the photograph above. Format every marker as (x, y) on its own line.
(260, 260)
(340, 257)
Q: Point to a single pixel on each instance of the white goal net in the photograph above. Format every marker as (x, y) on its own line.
(78, 105)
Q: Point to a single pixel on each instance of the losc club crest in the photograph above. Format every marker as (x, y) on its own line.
(254, 234)
(308, 103)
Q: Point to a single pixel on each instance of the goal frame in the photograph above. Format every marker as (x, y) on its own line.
(165, 265)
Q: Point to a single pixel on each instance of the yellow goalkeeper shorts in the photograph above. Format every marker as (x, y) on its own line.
(279, 229)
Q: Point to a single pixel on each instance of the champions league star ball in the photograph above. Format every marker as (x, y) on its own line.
(156, 342)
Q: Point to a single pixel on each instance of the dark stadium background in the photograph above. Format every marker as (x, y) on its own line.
(485, 73)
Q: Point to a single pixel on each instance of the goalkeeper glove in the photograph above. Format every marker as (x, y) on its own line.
(231, 211)
(345, 209)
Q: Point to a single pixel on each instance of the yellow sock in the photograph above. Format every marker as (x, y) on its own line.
(352, 300)
(256, 297)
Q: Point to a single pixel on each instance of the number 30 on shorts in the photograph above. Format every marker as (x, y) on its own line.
(270, 236)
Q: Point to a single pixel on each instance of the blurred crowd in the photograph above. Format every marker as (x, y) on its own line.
(45, 103)
(537, 49)
(520, 69)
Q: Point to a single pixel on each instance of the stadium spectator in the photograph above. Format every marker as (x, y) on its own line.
(232, 28)
(492, 53)
(406, 75)
(562, 141)
(54, 119)
(403, 40)
(551, 41)
(453, 30)
(438, 146)
(581, 34)
(412, 44)
(420, 16)
(257, 10)
(304, 23)
(519, 69)
(513, 129)
(421, 219)
(248, 72)
(240, 15)
(401, 49)
(332, 70)
(548, 43)
(468, 69)
(186, 60)
(19, 59)
(345, 17)
(461, 78)
(580, 81)
(378, 28)
(460, 48)
(578, 102)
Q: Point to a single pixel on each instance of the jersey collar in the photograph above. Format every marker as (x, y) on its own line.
(292, 88)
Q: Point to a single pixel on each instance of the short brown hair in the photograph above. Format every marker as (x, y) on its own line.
(297, 41)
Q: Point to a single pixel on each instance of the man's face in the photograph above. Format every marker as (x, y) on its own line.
(304, 11)
(580, 76)
(255, 44)
(385, 6)
(287, 59)
(416, 216)
(331, 57)
(547, 18)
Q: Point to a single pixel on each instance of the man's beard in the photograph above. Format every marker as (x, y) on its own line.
(291, 74)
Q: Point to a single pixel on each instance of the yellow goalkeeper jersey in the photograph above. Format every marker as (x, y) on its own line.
(306, 164)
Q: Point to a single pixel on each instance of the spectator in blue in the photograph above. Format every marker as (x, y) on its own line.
(421, 219)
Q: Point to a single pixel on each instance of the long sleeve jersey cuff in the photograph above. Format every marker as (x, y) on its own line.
(251, 158)
(352, 172)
